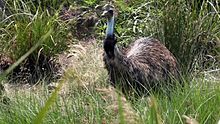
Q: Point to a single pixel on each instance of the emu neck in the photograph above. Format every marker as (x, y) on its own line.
(110, 27)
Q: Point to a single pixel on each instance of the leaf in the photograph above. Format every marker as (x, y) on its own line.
(190, 120)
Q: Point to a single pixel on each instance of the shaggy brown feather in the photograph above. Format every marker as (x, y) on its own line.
(143, 67)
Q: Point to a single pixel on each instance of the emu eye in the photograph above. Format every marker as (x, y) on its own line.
(107, 13)
(110, 11)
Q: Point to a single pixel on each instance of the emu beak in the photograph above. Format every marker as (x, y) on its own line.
(108, 11)
(104, 14)
(107, 14)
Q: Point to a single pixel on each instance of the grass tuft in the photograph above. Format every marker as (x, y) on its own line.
(188, 28)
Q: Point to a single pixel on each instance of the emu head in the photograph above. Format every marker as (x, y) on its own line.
(110, 40)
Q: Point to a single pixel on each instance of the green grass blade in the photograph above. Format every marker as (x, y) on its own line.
(22, 58)
(40, 116)
(121, 113)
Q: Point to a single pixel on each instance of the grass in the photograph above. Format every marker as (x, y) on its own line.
(186, 31)
(22, 30)
(86, 98)
(83, 94)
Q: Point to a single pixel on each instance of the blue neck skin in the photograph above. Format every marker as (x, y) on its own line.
(110, 27)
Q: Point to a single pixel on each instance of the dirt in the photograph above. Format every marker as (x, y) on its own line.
(82, 21)
(5, 62)
(26, 75)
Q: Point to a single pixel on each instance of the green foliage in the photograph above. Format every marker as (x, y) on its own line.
(187, 32)
(84, 104)
(88, 3)
(187, 28)
(120, 111)
(41, 115)
(23, 30)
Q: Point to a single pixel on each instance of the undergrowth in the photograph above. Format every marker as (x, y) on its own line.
(190, 30)
(86, 98)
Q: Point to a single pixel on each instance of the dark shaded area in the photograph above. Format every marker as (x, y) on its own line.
(4, 10)
(82, 21)
(32, 71)
(2, 4)
(197, 5)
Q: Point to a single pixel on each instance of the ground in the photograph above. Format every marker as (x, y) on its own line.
(86, 96)
(83, 62)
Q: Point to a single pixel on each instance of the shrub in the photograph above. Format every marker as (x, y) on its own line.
(27, 28)
(21, 30)
(187, 28)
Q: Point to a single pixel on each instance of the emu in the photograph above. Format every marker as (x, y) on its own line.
(144, 66)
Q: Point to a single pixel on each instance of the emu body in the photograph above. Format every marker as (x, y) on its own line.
(145, 65)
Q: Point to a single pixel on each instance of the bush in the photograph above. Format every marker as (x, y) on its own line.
(23, 29)
(26, 29)
(189, 29)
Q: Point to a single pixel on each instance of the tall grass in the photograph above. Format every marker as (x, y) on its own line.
(22, 29)
(82, 96)
(188, 31)
(187, 28)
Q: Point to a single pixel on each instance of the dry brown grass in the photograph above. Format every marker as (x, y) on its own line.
(87, 69)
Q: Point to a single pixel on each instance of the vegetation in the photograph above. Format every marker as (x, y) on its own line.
(187, 31)
(31, 29)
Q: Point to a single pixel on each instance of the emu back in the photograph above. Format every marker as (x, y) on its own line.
(146, 65)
